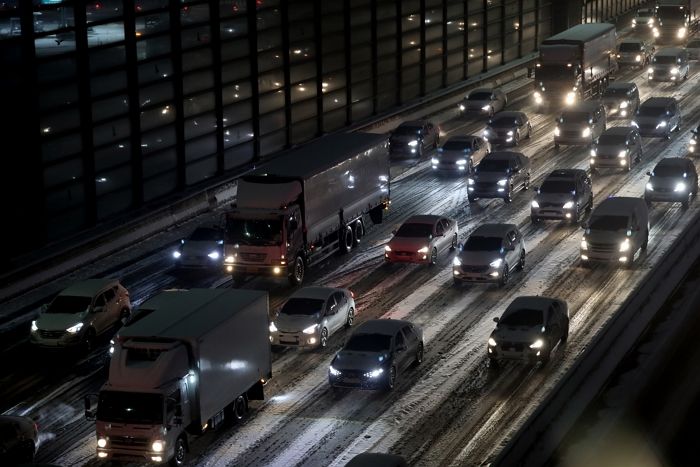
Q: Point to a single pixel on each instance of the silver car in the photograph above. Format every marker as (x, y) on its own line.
(81, 313)
(634, 52)
(19, 437)
(490, 254)
(460, 154)
(311, 316)
(528, 330)
(484, 101)
(422, 239)
(204, 248)
(645, 19)
(499, 175)
(508, 127)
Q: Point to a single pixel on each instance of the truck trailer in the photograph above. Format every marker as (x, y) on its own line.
(306, 205)
(575, 65)
(186, 361)
(676, 20)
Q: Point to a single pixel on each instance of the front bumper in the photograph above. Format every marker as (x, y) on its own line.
(450, 167)
(653, 131)
(616, 111)
(132, 454)
(573, 140)
(552, 212)
(357, 380)
(666, 196)
(294, 339)
(608, 162)
(64, 339)
(490, 192)
(518, 351)
(663, 77)
(476, 274)
(406, 257)
(611, 257)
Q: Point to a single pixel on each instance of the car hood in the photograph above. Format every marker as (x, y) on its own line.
(408, 243)
(59, 321)
(353, 360)
(490, 176)
(607, 237)
(560, 198)
(200, 248)
(296, 323)
(525, 334)
(501, 130)
(613, 100)
(478, 258)
(574, 126)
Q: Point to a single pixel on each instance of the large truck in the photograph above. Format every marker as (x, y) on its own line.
(186, 361)
(676, 19)
(575, 65)
(306, 205)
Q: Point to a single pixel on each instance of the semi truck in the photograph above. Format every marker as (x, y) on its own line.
(575, 65)
(306, 205)
(185, 362)
(676, 19)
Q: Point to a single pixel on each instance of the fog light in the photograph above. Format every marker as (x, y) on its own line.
(623, 259)
(623, 162)
(102, 455)
(312, 340)
(568, 215)
(584, 257)
(229, 268)
(494, 274)
(455, 272)
(276, 270)
(157, 459)
(623, 113)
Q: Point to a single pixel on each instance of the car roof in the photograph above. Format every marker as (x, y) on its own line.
(568, 174)
(321, 293)
(89, 287)
(613, 205)
(658, 101)
(679, 162)
(414, 123)
(669, 51)
(493, 230)
(462, 139)
(14, 419)
(503, 155)
(422, 219)
(381, 326)
(621, 85)
(619, 130)
(509, 114)
(532, 302)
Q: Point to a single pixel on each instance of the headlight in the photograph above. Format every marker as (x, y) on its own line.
(510, 133)
(624, 104)
(570, 98)
(622, 154)
(492, 342)
(650, 21)
(158, 445)
(456, 262)
(273, 328)
(593, 152)
(503, 182)
(535, 204)
(102, 442)
(568, 205)
(214, 255)
(311, 329)
(387, 248)
(656, 32)
(413, 143)
(176, 254)
(674, 70)
(693, 141)
(634, 124)
(681, 33)
(461, 107)
(35, 328)
(650, 187)
(625, 245)
(374, 373)
(423, 250)
(486, 108)
(650, 71)
(333, 371)
(470, 181)
(435, 160)
(538, 344)
(557, 132)
(662, 124)
(462, 162)
(584, 244)
(586, 132)
(75, 328)
(538, 98)
(496, 263)
(680, 186)
(230, 259)
(638, 58)
(634, 22)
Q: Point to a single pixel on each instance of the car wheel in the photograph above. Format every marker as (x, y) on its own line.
(297, 274)
(529, 131)
(453, 245)
(628, 166)
(648, 201)
(419, 355)
(491, 112)
(358, 232)
(565, 334)
(470, 166)
(470, 198)
(89, 340)
(391, 379)
(544, 359)
(516, 139)
(645, 243)
(505, 275)
(433, 257)
(323, 342)
(521, 261)
(556, 145)
(240, 407)
(686, 202)
(420, 150)
(25, 452)
(509, 195)
(350, 318)
(535, 219)
(179, 453)
(493, 364)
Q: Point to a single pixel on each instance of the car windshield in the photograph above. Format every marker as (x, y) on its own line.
(615, 92)
(649, 111)
(369, 343)
(574, 117)
(501, 122)
(456, 146)
(407, 130)
(204, 234)
(254, 231)
(557, 186)
(611, 140)
(302, 306)
(479, 96)
(523, 317)
(665, 59)
(69, 304)
(609, 223)
(130, 407)
(493, 165)
(630, 47)
(668, 171)
(415, 230)
(479, 243)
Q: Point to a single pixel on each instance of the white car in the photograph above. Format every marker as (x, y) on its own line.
(81, 313)
(311, 316)
(421, 239)
(204, 248)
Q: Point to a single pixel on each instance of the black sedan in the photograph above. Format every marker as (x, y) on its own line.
(674, 179)
(508, 127)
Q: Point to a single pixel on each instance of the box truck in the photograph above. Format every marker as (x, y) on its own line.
(676, 20)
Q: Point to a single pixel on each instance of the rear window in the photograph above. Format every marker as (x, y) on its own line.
(524, 317)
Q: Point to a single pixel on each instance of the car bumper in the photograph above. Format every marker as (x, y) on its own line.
(669, 196)
(501, 139)
(654, 131)
(602, 162)
(360, 382)
(406, 257)
(615, 257)
(552, 213)
(490, 275)
(450, 168)
(134, 455)
(571, 140)
(67, 340)
(294, 339)
(663, 78)
(256, 269)
(522, 352)
(500, 192)
(616, 112)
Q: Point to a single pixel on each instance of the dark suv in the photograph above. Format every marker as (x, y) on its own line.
(499, 175)
(674, 180)
(658, 116)
(565, 194)
(414, 138)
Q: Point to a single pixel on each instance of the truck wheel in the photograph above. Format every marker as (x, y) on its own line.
(240, 407)
(346, 240)
(358, 232)
(179, 453)
(297, 274)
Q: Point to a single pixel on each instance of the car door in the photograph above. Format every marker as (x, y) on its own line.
(438, 235)
(429, 139)
(342, 310)
(448, 233)
(552, 325)
(478, 151)
(99, 314)
(400, 351)
(513, 252)
(331, 317)
(411, 344)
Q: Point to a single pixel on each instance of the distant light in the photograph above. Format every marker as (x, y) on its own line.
(335, 100)
(276, 84)
(144, 145)
(427, 20)
(121, 146)
(47, 129)
(101, 180)
(165, 110)
(251, 135)
(324, 85)
(412, 42)
(297, 51)
(302, 88)
(230, 29)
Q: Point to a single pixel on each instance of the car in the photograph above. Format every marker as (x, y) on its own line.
(634, 52)
(422, 239)
(499, 175)
(81, 313)
(203, 248)
(693, 141)
(528, 330)
(19, 436)
(618, 148)
(693, 49)
(564, 194)
(658, 116)
(311, 315)
(490, 254)
(414, 138)
(508, 127)
(460, 154)
(583, 123)
(620, 99)
(377, 459)
(674, 179)
(644, 19)
(484, 101)
(377, 352)
(669, 64)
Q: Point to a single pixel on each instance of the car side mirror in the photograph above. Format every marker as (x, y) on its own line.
(90, 412)
(496, 319)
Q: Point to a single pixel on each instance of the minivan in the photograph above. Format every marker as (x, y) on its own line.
(617, 231)
(658, 116)
(617, 148)
(581, 124)
(669, 64)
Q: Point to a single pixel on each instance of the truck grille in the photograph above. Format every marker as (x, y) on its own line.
(51, 334)
(128, 441)
(253, 257)
(602, 247)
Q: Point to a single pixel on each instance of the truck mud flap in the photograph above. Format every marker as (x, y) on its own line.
(377, 214)
(256, 392)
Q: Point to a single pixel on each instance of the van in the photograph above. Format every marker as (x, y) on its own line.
(581, 124)
(617, 148)
(617, 232)
(669, 64)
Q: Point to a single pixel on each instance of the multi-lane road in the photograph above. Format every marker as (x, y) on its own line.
(452, 409)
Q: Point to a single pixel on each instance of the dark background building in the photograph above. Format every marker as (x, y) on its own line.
(113, 107)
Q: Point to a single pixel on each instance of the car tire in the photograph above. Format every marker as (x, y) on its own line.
(493, 364)
(433, 257)
(491, 112)
(350, 318)
(505, 276)
(240, 407)
(521, 261)
(565, 335)
(453, 246)
(179, 453)
(577, 216)
(686, 202)
(508, 198)
(470, 166)
(544, 359)
(516, 139)
(535, 219)
(471, 198)
(346, 240)
(391, 379)
(419, 355)
(296, 276)
(358, 232)
(323, 339)
(529, 131)
(556, 146)
(89, 340)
